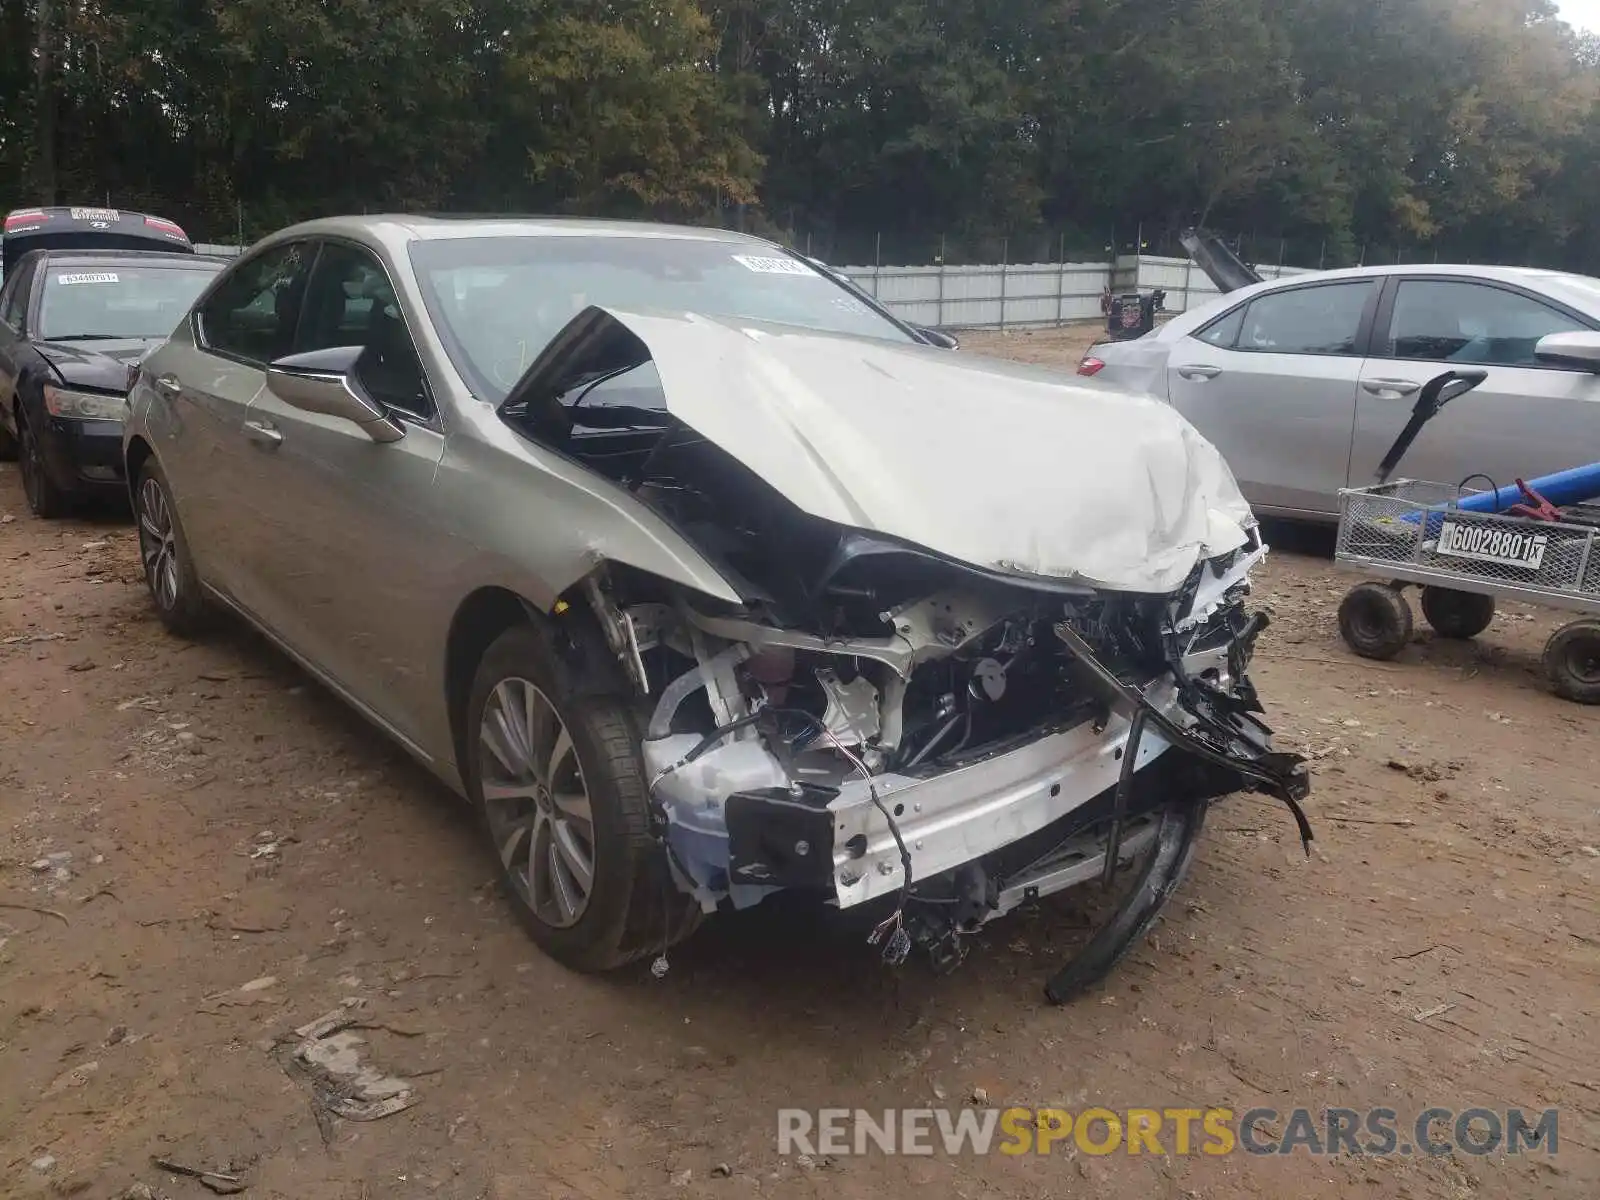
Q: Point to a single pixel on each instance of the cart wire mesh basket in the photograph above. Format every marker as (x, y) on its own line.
(1413, 531)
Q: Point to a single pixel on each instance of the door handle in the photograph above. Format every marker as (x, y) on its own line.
(1400, 387)
(1199, 373)
(263, 434)
(168, 385)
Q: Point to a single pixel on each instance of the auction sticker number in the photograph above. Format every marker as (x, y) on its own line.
(1483, 543)
(89, 277)
(772, 266)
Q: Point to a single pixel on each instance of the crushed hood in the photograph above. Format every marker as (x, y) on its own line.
(99, 364)
(995, 464)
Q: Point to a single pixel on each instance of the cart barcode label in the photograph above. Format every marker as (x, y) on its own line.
(1486, 544)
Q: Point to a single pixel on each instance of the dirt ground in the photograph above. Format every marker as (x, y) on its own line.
(200, 851)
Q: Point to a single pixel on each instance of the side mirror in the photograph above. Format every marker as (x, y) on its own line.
(938, 337)
(1581, 350)
(323, 381)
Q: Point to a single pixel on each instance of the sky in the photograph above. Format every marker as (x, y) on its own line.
(1585, 14)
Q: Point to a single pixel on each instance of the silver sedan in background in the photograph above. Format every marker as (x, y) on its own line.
(1305, 382)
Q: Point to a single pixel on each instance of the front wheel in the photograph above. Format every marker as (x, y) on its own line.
(559, 782)
(44, 497)
(1572, 661)
(1375, 620)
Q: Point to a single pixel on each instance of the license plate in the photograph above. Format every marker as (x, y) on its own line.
(1484, 543)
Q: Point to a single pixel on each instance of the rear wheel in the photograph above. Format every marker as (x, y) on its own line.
(1454, 614)
(559, 781)
(1572, 661)
(44, 497)
(168, 569)
(1375, 620)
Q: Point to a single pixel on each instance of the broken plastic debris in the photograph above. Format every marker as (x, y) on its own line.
(329, 1057)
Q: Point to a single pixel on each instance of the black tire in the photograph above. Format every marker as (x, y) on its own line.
(1454, 614)
(1572, 661)
(1375, 620)
(632, 909)
(44, 497)
(179, 600)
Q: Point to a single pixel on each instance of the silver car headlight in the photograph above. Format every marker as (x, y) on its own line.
(84, 406)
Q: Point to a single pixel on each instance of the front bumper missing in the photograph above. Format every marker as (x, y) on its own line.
(951, 819)
(954, 818)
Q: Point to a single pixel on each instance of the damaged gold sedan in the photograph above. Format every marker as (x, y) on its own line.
(703, 578)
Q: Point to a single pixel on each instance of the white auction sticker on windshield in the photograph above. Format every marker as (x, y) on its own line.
(90, 277)
(772, 266)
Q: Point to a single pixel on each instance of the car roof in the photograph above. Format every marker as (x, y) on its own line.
(399, 228)
(1578, 290)
(142, 258)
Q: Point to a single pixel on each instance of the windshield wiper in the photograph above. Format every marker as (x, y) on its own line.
(97, 337)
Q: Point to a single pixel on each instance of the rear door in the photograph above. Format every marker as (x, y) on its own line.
(203, 385)
(1272, 384)
(1525, 419)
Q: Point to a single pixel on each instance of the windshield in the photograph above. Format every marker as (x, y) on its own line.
(104, 302)
(499, 300)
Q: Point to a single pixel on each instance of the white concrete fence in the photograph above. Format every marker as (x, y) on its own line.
(1020, 295)
(1016, 295)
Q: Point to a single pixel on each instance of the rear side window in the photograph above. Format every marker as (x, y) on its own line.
(1325, 319)
(253, 313)
(1224, 333)
(1446, 321)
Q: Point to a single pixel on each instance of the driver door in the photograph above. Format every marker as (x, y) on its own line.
(1526, 419)
(348, 557)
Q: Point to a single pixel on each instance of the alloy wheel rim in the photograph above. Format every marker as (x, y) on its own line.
(158, 543)
(537, 804)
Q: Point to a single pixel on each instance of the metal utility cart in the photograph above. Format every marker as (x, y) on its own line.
(1410, 532)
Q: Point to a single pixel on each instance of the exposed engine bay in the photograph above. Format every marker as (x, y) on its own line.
(879, 723)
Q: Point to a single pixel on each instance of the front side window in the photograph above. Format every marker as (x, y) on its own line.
(14, 298)
(1325, 319)
(350, 302)
(254, 311)
(1461, 322)
(499, 300)
(81, 303)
